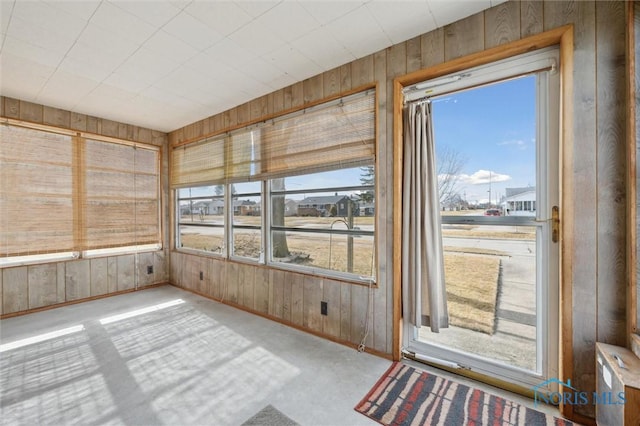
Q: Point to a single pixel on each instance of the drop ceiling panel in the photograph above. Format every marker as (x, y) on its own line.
(81, 9)
(24, 49)
(67, 85)
(192, 31)
(324, 14)
(359, 33)
(158, 15)
(257, 8)
(322, 48)
(228, 51)
(164, 64)
(22, 78)
(114, 19)
(257, 38)
(296, 64)
(226, 17)
(53, 39)
(400, 23)
(299, 21)
(169, 46)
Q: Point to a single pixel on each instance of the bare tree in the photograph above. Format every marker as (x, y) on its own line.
(279, 245)
(449, 164)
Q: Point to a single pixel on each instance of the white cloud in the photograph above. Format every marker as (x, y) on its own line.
(483, 176)
(518, 143)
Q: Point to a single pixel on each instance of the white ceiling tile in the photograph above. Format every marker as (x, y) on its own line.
(40, 36)
(158, 15)
(87, 69)
(181, 80)
(402, 23)
(260, 70)
(446, 12)
(42, 15)
(192, 31)
(22, 78)
(322, 48)
(6, 9)
(103, 61)
(224, 17)
(169, 46)
(281, 81)
(294, 62)
(82, 9)
(327, 11)
(230, 52)
(359, 33)
(299, 21)
(107, 91)
(65, 87)
(120, 22)
(147, 64)
(161, 95)
(134, 83)
(257, 38)
(257, 8)
(23, 49)
(96, 41)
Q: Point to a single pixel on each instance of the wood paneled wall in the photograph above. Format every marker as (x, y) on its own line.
(37, 286)
(24, 288)
(598, 276)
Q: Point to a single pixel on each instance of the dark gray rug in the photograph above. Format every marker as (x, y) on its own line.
(270, 416)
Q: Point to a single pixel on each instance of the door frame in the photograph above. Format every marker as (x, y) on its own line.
(563, 37)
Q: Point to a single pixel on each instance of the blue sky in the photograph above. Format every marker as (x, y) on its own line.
(494, 128)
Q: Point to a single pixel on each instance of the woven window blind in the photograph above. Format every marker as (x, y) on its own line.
(121, 201)
(36, 192)
(336, 136)
(198, 163)
(327, 137)
(63, 193)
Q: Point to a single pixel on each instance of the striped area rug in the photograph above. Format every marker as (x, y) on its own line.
(407, 396)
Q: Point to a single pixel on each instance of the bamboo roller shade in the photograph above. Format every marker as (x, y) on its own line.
(330, 137)
(62, 193)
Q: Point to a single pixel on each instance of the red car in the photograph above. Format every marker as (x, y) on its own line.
(492, 212)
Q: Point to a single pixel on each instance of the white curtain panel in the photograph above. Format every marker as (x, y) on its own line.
(422, 255)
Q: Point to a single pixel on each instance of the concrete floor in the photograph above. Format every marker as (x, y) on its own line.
(166, 356)
(197, 362)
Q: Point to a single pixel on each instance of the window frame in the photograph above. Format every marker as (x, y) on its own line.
(232, 226)
(224, 248)
(331, 273)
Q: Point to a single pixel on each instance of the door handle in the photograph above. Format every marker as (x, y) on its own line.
(555, 224)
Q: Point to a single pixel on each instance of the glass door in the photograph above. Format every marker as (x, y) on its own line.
(496, 138)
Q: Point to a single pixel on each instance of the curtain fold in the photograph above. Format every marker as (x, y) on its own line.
(422, 254)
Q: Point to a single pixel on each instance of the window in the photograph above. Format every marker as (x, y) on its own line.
(201, 218)
(62, 195)
(326, 226)
(327, 151)
(247, 219)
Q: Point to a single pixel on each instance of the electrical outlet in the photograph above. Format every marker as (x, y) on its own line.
(323, 308)
(149, 269)
(201, 275)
